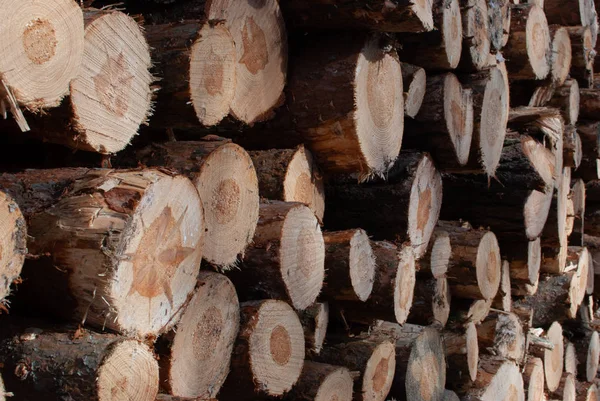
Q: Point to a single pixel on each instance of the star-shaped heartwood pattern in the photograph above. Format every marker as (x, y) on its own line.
(113, 84)
(158, 256)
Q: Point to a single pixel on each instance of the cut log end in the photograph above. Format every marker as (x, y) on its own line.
(404, 284)
(538, 42)
(379, 115)
(505, 385)
(129, 370)
(425, 205)
(570, 358)
(593, 357)
(472, 350)
(315, 321)
(322, 382)
(162, 253)
(41, 43)
(304, 183)
(362, 265)
(441, 301)
(426, 370)
(258, 31)
(560, 61)
(13, 243)
(452, 33)
(534, 262)
(536, 212)
(476, 29)
(554, 359)
(488, 265)
(458, 114)
(493, 120)
(228, 188)
(534, 379)
(275, 345)
(212, 73)
(302, 257)
(415, 92)
(440, 254)
(379, 372)
(198, 362)
(111, 95)
(504, 296)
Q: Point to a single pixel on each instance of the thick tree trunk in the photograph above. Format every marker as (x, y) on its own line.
(497, 379)
(268, 355)
(474, 270)
(374, 360)
(290, 175)
(405, 207)
(414, 83)
(528, 47)
(196, 63)
(286, 259)
(350, 265)
(79, 365)
(431, 302)
(401, 16)
(194, 357)
(392, 295)
(315, 321)
(440, 49)
(226, 180)
(321, 381)
(342, 102)
(89, 228)
(445, 122)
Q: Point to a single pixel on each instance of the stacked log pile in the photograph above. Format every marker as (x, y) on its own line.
(409, 209)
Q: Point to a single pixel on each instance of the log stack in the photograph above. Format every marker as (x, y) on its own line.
(409, 209)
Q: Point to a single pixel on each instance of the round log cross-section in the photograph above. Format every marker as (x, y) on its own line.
(426, 369)
(560, 59)
(322, 382)
(260, 38)
(194, 358)
(414, 82)
(286, 259)
(268, 355)
(42, 46)
(13, 243)
(533, 378)
(502, 381)
(226, 180)
(119, 248)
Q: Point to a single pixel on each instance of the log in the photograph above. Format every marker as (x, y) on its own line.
(286, 259)
(570, 358)
(468, 311)
(583, 55)
(440, 49)
(499, 23)
(342, 103)
(13, 244)
(225, 178)
(393, 288)
(589, 105)
(420, 362)
(592, 210)
(47, 364)
(462, 355)
(528, 47)
(555, 233)
(490, 117)
(290, 175)
(566, 99)
(315, 321)
(144, 225)
(587, 347)
(587, 391)
(110, 96)
(525, 261)
(450, 396)
(588, 170)
(578, 197)
(402, 16)
(570, 13)
(445, 121)
(404, 208)
(572, 148)
(560, 56)
(196, 63)
(414, 83)
(436, 259)
(194, 357)
(507, 210)
(475, 266)
(533, 378)
(268, 355)
(51, 45)
(431, 302)
(258, 31)
(589, 132)
(350, 265)
(501, 334)
(320, 381)
(566, 390)
(503, 299)
(476, 38)
(374, 361)
(554, 358)
(497, 379)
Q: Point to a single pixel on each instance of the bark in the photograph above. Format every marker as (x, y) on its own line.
(564, 12)
(13, 244)
(589, 132)
(566, 99)
(476, 36)
(499, 24)
(284, 228)
(315, 320)
(572, 148)
(496, 379)
(589, 106)
(431, 302)
(321, 380)
(462, 355)
(582, 65)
